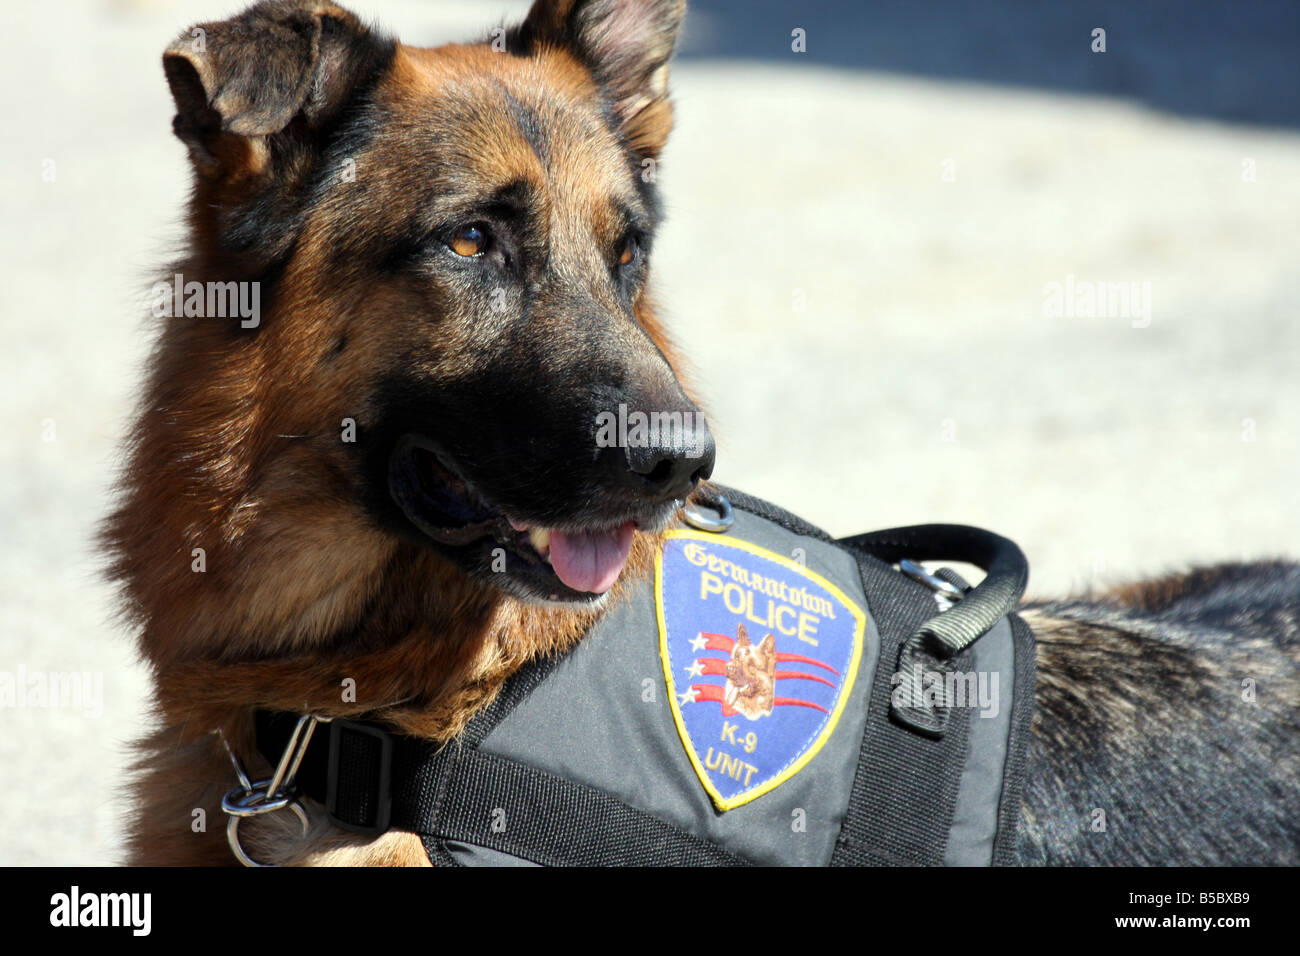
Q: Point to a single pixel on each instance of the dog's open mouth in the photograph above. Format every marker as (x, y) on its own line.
(449, 510)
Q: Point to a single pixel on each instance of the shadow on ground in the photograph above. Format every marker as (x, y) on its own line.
(1234, 62)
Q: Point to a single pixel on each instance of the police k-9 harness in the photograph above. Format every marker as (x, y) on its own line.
(773, 696)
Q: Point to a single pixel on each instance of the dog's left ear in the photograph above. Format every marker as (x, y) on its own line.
(239, 82)
(626, 44)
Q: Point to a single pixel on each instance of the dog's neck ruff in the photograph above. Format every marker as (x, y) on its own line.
(773, 696)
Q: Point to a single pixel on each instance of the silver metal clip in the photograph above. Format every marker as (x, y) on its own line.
(271, 795)
(945, 592)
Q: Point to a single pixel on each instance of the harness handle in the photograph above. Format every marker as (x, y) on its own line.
(1007, 573)
(951, 632)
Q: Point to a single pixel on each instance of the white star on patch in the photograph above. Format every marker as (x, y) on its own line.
(688, 695)
(698, 642)
(696, 669)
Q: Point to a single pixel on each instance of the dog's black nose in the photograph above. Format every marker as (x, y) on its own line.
(669, 461)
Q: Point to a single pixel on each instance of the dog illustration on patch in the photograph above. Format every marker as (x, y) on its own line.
(751, 676)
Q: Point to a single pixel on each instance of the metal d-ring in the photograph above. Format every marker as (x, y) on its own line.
(699, 516)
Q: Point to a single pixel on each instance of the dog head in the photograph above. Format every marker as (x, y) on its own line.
(751, 675)
(450, 251)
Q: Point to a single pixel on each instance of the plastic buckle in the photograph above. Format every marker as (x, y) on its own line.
(383, 809)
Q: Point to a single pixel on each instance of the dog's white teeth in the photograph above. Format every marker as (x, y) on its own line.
(540, 539)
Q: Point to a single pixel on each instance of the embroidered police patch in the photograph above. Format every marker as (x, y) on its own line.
(759, 654)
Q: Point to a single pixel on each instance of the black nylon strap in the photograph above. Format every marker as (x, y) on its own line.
(504, 805)
(983, 606)
(906, 784)
(458, 793)
(529, 813)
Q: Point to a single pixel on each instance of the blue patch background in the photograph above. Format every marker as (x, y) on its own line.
(789, 731)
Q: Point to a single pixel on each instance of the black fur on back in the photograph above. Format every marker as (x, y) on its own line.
(1173, 708)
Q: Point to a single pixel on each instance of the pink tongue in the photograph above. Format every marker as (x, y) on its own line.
(591, 561)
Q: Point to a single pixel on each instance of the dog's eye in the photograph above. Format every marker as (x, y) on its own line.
(629, 251)
(469, 241)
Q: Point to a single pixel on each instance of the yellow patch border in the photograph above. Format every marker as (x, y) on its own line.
(721, 802)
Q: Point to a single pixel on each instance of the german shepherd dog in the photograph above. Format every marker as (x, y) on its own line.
(751, 677)
(386, 477)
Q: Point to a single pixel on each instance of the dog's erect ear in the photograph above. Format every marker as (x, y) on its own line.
(742, 636)
(767, 647)
(251, 76)
(626, 44)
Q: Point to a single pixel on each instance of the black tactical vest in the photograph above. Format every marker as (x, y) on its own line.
(771, 697)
